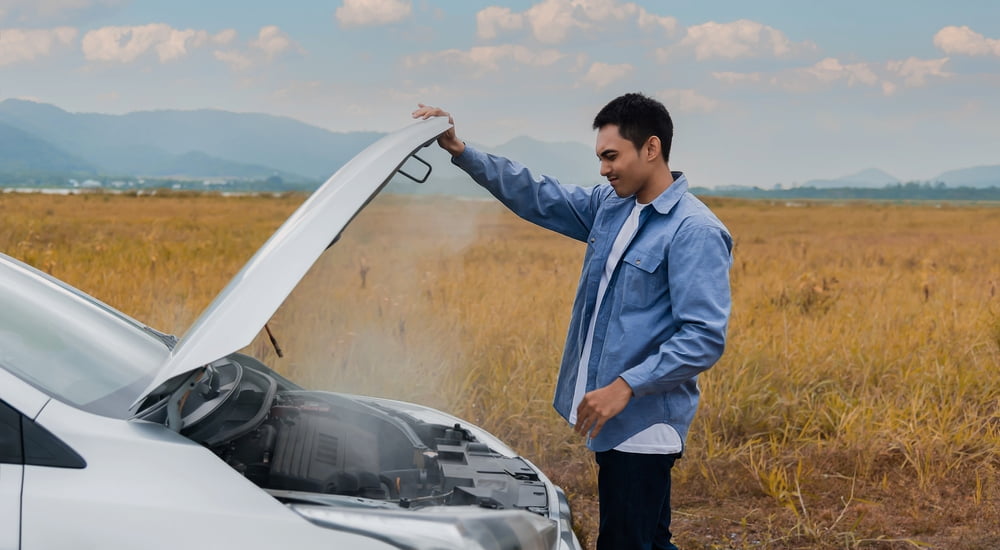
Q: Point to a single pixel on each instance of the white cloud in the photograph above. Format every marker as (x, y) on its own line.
(225, 36)
(823, 75)
(819, 76)
(829, 72)
(915, 72)
(126, 44)
(603, 74)
(553, 21)
(492, 20)
(362, 13)
(271, 41)
(832, 70)
(177, 42)
(965, 41)
(20, 45)
(650, 21)
(739, 39)
(486, 58)
(236, 60)
(686, 100)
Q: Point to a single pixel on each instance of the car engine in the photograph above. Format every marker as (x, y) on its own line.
(283, 438)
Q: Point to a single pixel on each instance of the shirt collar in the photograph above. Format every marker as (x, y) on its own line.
(671, 195)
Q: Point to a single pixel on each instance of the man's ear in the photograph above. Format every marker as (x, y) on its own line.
(653, 148)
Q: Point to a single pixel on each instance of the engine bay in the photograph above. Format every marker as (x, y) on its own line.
(283, 438)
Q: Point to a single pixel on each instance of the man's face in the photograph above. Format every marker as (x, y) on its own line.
(620, 162)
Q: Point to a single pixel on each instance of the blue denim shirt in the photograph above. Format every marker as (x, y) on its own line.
(664, 315)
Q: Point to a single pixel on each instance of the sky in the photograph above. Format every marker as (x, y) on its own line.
(762, 93)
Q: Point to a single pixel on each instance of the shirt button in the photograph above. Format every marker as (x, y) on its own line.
(638, 261)
(592, 239)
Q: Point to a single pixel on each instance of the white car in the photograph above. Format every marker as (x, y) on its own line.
(116, 436)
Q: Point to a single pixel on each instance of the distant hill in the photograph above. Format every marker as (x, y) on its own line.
(872, 178)
(979, 177)
(130, 143)
(153, 143)
(20, 152)
(38, 139)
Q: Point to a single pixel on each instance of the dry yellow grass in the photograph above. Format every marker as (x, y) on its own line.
(856, 406)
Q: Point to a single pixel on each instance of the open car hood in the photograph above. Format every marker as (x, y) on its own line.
(240, 311)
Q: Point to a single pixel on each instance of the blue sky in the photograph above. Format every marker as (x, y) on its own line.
(761, 92)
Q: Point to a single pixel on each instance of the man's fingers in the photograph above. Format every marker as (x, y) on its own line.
(448, 140)
(588, 426)
(597, 427)
(427, 111)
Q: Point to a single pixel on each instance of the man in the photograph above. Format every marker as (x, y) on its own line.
(650, 311)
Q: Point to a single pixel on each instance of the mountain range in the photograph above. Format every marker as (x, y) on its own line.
(873, 178)
(42, 138)
(870, 178)
(200, 143)
(38, 138)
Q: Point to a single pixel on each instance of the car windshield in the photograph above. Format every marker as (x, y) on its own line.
(71, 346)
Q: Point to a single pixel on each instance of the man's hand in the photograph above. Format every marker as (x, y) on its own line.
(600, 405)
(449, 140)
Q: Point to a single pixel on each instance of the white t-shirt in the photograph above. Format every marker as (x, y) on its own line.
(659, 438)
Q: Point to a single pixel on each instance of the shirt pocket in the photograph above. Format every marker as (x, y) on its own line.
(642, 279)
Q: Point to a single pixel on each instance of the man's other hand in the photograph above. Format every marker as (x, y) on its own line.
(449, 140)
(600, 405)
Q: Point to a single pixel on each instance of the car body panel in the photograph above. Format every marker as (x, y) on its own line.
(23, 397)
(10, 505)
(240, 311)
(192, 490)
(11, 473)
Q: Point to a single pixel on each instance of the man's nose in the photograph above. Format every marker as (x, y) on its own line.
(605, 168)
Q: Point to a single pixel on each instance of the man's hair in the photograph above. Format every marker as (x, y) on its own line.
(638, 117)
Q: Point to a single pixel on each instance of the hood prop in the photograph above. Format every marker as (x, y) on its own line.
(274, 341)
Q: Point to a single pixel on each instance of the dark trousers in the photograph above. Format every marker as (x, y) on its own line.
(634, 493)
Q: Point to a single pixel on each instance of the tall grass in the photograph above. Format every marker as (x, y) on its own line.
(856, 405)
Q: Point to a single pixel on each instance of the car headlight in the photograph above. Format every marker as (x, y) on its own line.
(440, 528)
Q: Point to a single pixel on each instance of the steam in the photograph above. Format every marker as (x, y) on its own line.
(379, 313)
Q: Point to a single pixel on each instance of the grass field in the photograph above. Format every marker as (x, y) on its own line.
(857, 404)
